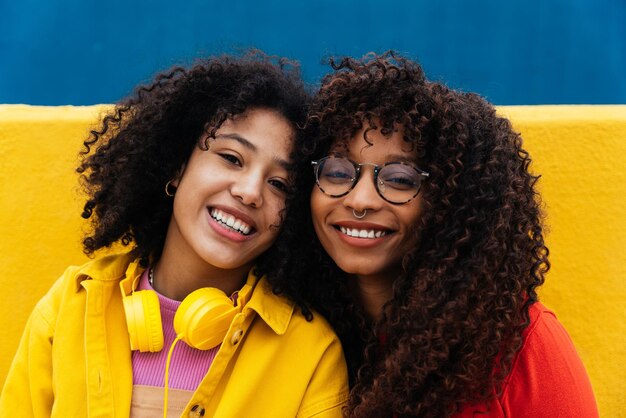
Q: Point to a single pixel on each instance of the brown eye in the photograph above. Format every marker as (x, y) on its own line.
(231, 159)
(280, 185)
(399, 176)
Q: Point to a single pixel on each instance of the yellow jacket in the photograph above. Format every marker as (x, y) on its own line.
(74, 359)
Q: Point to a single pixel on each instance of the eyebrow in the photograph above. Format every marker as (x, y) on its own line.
(249, 145)
(390, 158)
(401, 158)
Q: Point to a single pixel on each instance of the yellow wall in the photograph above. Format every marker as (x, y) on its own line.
(581, 153)
(579, 150)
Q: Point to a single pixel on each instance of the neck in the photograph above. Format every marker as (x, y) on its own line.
(176, 281)
(372, 293)
(179, 272)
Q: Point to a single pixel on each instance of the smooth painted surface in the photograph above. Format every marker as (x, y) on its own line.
(60, 52)
(579, 150)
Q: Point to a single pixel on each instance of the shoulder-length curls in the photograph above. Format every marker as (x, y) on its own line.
(460, 305)
(145, 140)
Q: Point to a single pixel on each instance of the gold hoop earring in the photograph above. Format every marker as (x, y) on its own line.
(168, 189)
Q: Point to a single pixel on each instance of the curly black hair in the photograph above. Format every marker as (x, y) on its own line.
(144, 141)
(450, 333)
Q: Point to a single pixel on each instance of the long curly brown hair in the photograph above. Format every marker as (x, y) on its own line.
(143, 142)
(460, 305)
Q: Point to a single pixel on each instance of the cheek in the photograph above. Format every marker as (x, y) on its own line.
(275, 213)
(317, 206)
(410, 219)
(321, 206)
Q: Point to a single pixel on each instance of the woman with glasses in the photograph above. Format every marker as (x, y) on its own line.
(433, 247)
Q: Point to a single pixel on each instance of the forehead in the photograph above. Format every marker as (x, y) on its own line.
(373, 146)
(262, 131)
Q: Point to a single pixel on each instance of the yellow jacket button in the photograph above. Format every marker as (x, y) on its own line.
(196, 412)
(236, 337)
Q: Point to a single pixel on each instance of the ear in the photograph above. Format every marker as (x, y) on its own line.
(179, 175)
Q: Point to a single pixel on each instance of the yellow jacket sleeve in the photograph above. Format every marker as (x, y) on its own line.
(27, 391)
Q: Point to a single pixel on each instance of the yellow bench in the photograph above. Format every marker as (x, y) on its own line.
(579, 150)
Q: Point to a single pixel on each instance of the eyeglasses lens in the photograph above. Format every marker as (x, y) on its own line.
(397, 182)
(336, 175)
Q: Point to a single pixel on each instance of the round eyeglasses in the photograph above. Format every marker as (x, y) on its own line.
(396, 182)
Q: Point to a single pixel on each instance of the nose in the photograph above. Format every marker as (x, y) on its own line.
(364, 194)
(248, 188)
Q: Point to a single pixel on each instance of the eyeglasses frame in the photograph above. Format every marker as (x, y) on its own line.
(357, 168)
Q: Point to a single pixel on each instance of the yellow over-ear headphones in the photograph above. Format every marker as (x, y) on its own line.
(202, 319)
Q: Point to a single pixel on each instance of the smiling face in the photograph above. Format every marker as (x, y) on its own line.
(229, 198)
(371, 246)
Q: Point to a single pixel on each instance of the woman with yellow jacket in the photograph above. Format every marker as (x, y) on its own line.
(194, 174)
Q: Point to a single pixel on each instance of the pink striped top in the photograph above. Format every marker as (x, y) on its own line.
(188, 365)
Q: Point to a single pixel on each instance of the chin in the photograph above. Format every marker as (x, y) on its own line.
(356, 268)
(230, 264)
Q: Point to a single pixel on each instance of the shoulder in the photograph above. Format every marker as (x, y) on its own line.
(286, 338)
(107, 268)
(318, 329)
(111, 267)
(545, 337)
(284, 318)
(548, 377)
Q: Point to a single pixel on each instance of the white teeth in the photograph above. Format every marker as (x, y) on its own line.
(230, 221)
(362, 233)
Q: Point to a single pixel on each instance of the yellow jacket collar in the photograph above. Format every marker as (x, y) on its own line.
(276, 311)
(108, 268)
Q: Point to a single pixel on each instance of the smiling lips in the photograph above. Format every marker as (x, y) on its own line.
(231, 222)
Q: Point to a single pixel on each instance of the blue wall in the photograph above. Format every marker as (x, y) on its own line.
(513, 52)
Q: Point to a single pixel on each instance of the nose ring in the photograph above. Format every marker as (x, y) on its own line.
(360, 215)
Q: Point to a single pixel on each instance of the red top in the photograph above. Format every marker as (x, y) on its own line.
(547, 378)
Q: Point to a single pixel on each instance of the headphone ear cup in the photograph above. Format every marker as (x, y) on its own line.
(143, 318)
(203, 318)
